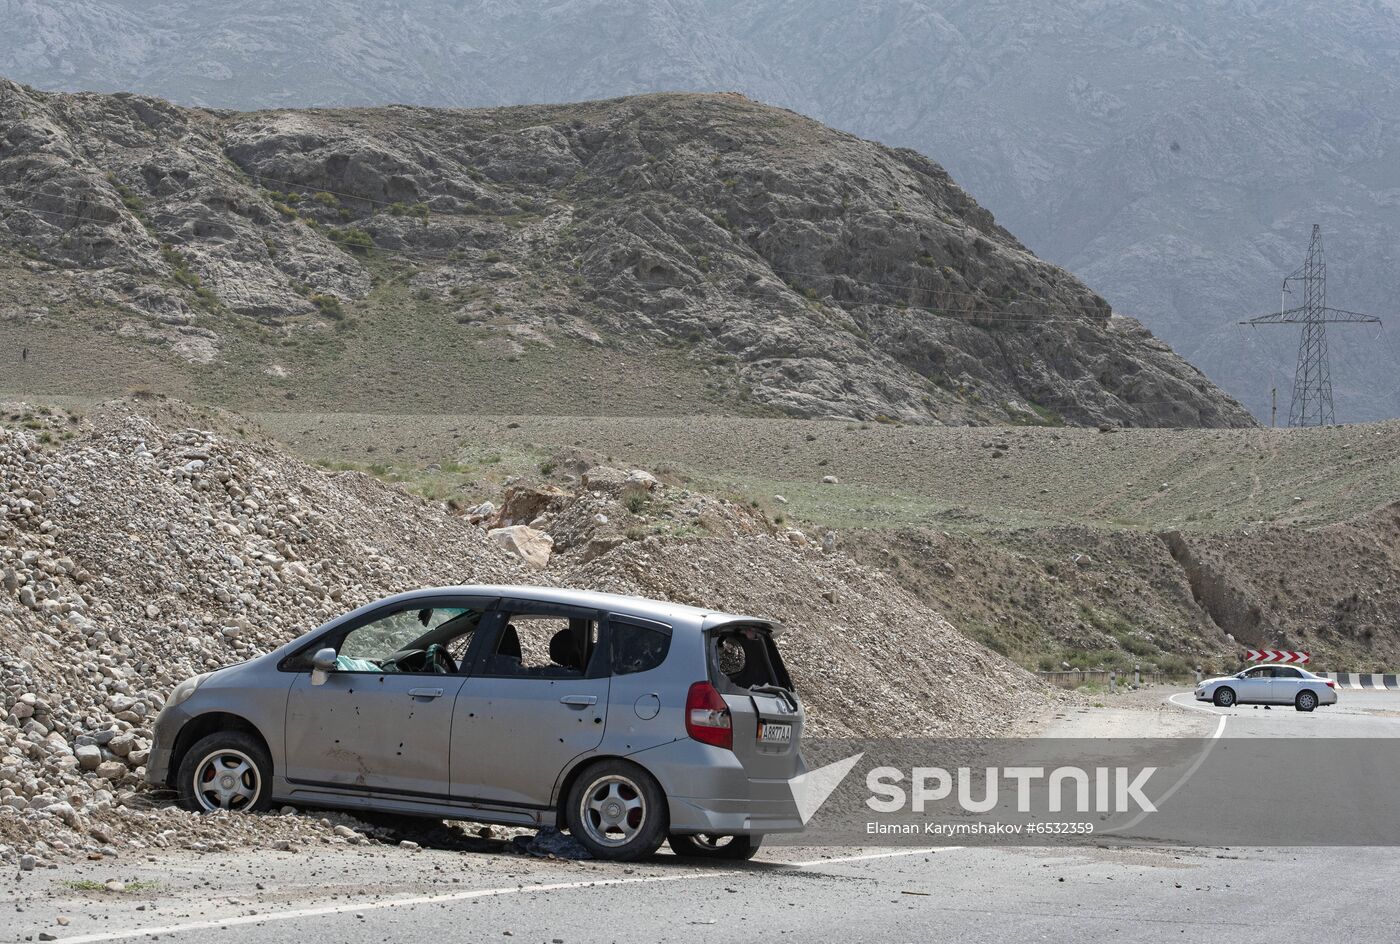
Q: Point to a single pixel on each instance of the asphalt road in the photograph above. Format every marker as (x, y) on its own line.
(1357, 714)
(1127, 893)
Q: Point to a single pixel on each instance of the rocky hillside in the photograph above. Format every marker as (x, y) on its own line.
(1173, 152)
(145, 545)
(670, 253)
(1049, 545)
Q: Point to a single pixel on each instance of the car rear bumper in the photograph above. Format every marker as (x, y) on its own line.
(728, 817)
(709, 791)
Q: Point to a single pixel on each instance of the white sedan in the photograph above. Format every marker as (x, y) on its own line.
(1270, 685)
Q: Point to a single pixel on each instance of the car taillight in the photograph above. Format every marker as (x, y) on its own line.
(1330, 683)
(707, 717)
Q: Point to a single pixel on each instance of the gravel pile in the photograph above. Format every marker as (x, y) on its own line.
(136, 556)
(141, 552)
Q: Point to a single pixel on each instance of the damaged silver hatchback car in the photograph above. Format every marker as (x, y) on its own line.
(627, 721)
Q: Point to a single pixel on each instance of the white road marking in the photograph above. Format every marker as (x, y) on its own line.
(1192, 705)
(1200, 759)
(356, 908)
(360, 907)
(871, 855)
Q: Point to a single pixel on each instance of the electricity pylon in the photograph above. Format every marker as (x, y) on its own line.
(1312, 381)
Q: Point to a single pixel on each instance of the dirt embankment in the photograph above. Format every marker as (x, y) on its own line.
(135, 553)
(1088, 598)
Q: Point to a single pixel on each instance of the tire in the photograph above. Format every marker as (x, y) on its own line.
(1306, 701)
(226, 770)
(617, 811)
(706, 846)
(1224, 697)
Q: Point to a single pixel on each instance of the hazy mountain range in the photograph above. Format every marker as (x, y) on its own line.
(1172, 153)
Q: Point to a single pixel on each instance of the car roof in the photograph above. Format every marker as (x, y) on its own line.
(643, 607)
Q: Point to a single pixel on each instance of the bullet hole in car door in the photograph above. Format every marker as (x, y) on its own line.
(536, 700)
(381, 719)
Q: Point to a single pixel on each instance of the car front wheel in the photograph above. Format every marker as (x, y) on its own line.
(226, 770)
(616, 809)
(1306, 701)
(1224, 697)
(707, 846)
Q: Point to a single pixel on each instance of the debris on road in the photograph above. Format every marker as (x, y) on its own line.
(551, 843)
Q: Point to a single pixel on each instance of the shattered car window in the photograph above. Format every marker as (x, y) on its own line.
(429, 640)
(543, 647)
(747, 658)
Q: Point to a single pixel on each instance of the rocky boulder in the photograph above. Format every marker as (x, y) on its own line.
(531, 546)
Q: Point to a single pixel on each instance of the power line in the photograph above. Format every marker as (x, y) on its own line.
(1312, 379)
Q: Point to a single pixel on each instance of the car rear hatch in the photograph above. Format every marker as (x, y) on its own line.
(747, 670)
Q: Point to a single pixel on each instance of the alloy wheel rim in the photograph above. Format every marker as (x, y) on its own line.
(227, 779)
(711, 841)
(612, 810)
(1307, 700)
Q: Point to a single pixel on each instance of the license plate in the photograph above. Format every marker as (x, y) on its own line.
(770, 733)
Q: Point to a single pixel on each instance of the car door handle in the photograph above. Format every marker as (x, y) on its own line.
(579, 701)
(425, 693)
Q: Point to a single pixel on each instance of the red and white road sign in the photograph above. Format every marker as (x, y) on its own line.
(1281, 656)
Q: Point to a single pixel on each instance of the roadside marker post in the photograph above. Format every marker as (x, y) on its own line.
(1137, 676)
(1112, 681)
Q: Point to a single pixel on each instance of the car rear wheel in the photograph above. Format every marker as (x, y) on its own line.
(1224, 697)
(1306, 701)
(226, 770)
(617, 811)
(710, 846)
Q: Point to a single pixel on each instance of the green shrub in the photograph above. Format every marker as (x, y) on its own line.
(183, 275)
(328, 305)
(355, 240)
(419, 210)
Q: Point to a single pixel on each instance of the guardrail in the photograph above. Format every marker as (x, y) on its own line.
(1110, 679)
(1358, 680)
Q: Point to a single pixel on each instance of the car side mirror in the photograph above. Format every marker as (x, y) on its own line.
(1239, 675)
(322, 664)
